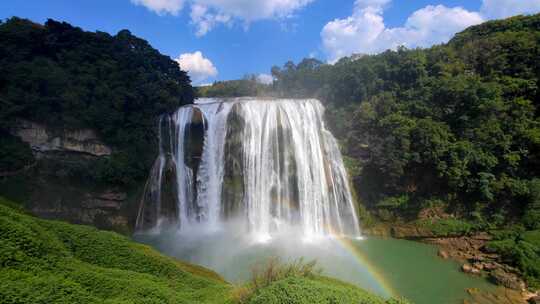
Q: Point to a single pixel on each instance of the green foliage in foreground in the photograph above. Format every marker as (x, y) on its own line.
(54, 262)
(298, 290)
(521, 249)
(299, 282)
(45, 261)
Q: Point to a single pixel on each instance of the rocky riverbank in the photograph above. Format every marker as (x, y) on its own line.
(470, 251)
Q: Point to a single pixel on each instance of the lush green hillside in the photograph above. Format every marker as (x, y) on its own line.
(54, 262)
(66, 78)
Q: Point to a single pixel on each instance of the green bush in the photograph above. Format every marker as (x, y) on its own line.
(299, 282)
(521, 249)
(298, 290)
(394, 202)
(531, 217)
(447, 227)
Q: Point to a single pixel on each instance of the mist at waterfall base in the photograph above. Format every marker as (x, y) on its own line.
(240, 180)
(233, 253)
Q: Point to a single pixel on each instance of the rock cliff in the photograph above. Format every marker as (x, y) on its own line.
(43, 139)
(56, 186)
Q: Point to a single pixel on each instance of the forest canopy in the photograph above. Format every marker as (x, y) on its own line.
(66, 78)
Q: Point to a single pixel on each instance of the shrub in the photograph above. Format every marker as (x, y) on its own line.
(520, 249)
(299, 282)
(447, 227)
(394, 202)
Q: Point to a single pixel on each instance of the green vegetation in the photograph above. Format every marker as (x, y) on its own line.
(447, 227)
(249, 86)
(272, 271)
(299, 282)
(66, 78)
(297, 290)
(522, 250)
(54, 262)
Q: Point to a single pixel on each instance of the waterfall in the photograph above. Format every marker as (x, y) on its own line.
(182, 118)
(270, 163)
(210, 178)
(153, 188)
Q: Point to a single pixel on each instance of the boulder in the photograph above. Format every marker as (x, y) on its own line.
(478, 265)
(468, 268)
(490, 266)
(443, 254)
(507, 279)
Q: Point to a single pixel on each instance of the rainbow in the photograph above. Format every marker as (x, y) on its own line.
(350, 245)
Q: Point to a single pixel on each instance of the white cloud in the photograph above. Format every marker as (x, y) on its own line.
(206, 14)
(161, 6)
(506, 8)
(205, 20)
(198, 67)
(265, 79)
(366, 32)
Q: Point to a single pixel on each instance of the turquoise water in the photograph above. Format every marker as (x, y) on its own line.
(383, 266)
(416, 272)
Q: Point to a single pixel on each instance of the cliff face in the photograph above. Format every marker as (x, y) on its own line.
(51, 189)
(43, 140)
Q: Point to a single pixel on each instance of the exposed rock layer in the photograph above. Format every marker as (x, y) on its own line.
(43, 139)
(52, 188)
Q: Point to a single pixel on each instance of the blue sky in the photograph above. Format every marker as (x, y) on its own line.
(226, 39)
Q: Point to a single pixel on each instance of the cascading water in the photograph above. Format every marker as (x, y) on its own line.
(210, 177)
(270, 163)
(184, 179)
